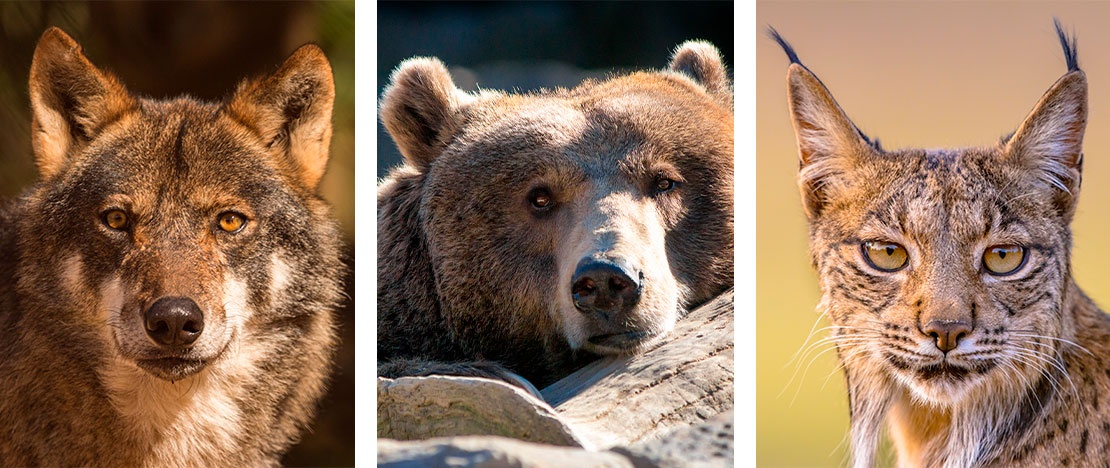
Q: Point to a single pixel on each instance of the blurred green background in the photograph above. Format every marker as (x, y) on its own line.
(936, 74)
(166, 49)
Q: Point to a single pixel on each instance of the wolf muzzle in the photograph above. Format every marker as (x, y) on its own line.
(174, 322)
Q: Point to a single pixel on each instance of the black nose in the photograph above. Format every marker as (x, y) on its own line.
(604, 289)
(174, 321)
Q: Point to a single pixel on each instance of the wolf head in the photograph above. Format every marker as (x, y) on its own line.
(180, 231)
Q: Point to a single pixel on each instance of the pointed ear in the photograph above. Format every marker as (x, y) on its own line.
(421, 109)
(702, 62)
(291, 110)
(71, 101)
(1050, 140)
(827, 140)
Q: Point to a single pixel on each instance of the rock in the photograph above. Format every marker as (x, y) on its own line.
(421, 407)
(489, 451)
(668, 406)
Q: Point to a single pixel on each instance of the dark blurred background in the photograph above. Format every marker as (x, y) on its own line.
(166, 49)
(530, 45)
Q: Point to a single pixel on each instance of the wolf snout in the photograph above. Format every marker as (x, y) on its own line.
(605, 289)
(174, 322)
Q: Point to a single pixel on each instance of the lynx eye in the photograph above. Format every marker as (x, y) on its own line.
(541, 199)
(231, 221)
(1003, 260)
(115, 219)
(885, 256)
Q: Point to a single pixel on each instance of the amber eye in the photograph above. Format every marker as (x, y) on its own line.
(115, 219)
(231, 221)
(885, 256)
(541, 199)
(1002, 260)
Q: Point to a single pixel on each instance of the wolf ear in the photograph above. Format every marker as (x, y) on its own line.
(702, 62)
(827, 140)
(291, 110)
(1050, 140)
(71, 100)
(421, 109)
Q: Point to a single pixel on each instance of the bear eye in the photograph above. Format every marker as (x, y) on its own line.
(1003, 260)
(115, 219)
(663, 184)
(885, 256)
(231, 221)
(541, 199)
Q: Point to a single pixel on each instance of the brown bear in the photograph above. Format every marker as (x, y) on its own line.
(534, 232)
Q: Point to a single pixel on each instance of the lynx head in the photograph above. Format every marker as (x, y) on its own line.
(944, 272)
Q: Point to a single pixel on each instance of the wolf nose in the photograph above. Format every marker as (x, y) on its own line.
(604, 289)
(947, 333)
(174, 321)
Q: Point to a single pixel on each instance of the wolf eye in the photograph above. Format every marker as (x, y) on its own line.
(884, 256)
(231, 221)
(541, 199)
(1003, 260)
(115, 219)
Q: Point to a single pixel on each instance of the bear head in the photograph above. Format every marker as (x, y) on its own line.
(586, 219)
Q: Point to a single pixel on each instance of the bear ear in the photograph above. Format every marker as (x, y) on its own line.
(71, 100)
(420, 109)
(291, 110)
(702, 62)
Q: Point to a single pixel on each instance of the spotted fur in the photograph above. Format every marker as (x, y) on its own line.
(1023, 382)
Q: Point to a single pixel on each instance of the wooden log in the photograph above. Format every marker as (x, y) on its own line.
(617, 401)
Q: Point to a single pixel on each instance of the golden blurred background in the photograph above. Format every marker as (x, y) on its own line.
(937, 74)
(166, 49)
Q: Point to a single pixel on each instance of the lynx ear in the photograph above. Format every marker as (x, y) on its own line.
(702, 62)
(291, 111)
(421, 109)
(828, 141)
(71, 101)
(1050, 140)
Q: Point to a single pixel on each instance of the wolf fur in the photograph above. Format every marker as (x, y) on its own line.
(166, 286)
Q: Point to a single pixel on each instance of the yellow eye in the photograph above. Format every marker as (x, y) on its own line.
(885, 256)
(1002, 260)
(115, 219)
(232, 222)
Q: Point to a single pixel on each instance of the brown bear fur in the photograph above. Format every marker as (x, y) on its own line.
(636, 169)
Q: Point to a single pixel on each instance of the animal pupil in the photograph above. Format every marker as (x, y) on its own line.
(541, 198)
(115, 219)
(231, 222)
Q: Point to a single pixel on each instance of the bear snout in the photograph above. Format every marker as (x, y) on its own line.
(605, 290)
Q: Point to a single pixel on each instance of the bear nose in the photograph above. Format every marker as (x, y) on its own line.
(604, 289)
(947, 332)
(174, 322)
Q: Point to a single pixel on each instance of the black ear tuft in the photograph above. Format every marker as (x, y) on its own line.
(786, 47)
(1070, 46)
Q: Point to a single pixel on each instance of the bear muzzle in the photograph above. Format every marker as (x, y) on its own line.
(606, 292)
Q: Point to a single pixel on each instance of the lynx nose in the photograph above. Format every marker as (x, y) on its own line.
(947, 333)
(604, 289)
(174, 321)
